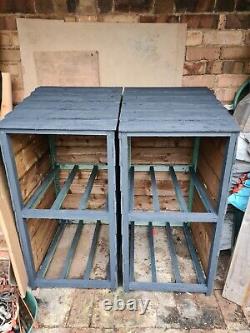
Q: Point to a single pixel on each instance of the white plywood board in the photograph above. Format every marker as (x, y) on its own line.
(70, 68)
(130, 54)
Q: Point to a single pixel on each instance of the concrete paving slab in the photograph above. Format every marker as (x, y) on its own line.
(54, 306)
(81, 311)
(68, 330)
(233, 315)
(129, 317)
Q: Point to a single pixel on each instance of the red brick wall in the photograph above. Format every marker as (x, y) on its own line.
(217, 45)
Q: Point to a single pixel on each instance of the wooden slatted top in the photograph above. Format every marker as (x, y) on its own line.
(66, 109)
(174, 110)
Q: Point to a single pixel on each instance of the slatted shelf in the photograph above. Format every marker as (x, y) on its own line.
(178, 216)
(177, 266)
(55, 211)
(84, 273)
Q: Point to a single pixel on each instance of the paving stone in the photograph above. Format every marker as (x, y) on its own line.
(81, 310)
(126, 318)
(54, 306)
(211, 315)
(246, 311)
(232, 313)
(146, 330)
(198, 312)
(68, 330)
(166, 310)
(210, 331)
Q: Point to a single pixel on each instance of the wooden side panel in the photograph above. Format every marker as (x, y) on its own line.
(33, 163)
(41, 231)
(209, 169)
(161, 150)
(81, 149)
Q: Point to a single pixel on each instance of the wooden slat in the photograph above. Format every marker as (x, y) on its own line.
(80, 141)
(160, 155)
(64, 190)
(30, 154)
(8, 227)
(34, 177)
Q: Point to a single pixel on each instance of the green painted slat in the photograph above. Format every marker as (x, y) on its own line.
(88, 189)
(64, 190)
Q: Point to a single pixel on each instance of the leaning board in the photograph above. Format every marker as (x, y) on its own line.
(129, 54)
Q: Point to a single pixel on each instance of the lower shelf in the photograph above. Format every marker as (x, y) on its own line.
(78, 256)
(164, 258)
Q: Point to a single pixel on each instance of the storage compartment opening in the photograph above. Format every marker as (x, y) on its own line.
(174, 190)
(76, 165)
(164, 255)
(70, 250)
(61, 177)
(170, 173)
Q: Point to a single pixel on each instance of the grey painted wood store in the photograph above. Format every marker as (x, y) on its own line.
(184, 140)
(59, 152)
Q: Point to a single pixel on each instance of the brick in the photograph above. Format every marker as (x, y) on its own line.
(86, 18)
(225, 95)
(18, 96)
(117, 18)
(17, 82)
(202, 53)
(69, 18)
(168, 19)
(86, 7)
(133, 5)
(198, 81)
(10, 55)
(247, 38)
(238, 21)
(5, 39)
(60, 6)
(243, 5)
(224, 5)
(202, 21)
(17, 6)
(163, 6)
(13, 69)
(194, 68)
(216, 37)
(222, 22)
(105, 6)
(147, 19)
(194, 5)
(247, 67)
(232, 67)
(214, 67)
(234, 53)
(15, 39)
(8, 23)
(230, 80)
(194, 38)
(44, 7)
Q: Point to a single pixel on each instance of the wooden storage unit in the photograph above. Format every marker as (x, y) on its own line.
(59, 152)
(176, 152)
